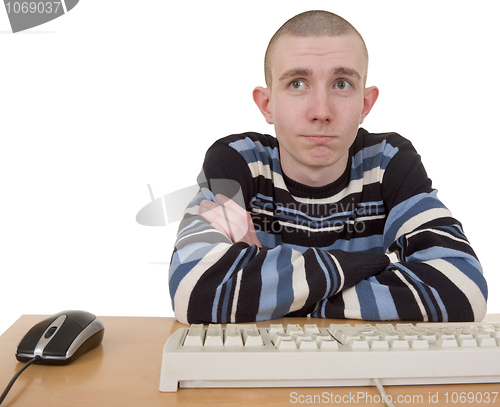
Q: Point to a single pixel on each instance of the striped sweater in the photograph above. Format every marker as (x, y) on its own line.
(376, 244)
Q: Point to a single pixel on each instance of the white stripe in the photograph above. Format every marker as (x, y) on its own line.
(193, 210)
(278, 181)
(353, 187)
(352, 309)
(257, 168)
(302, 227)
(200, 233)
(369, 177)
(413, 223)
(415, 295)
(330, 228)
(263, 211)
(373, 176)
(299, 281)
(372, 217)
(464, 284)
(236, 295)
(439, 232)
(185, 287)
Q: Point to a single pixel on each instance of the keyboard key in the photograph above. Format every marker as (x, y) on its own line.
(419, 344)
(311, 329)
(358, 344)
(387, 328)
(430, 338)
(251, 337)
(307, 344)
(276, 329)
(338, 327)
(447, 342)
(467, 342)
(284, 341)
(213, 335)
(399, 344)
(405, 328)
(232, 336)
(379, 344)
(325, 341)
(293, 328)
(195, 335)
(487, 342)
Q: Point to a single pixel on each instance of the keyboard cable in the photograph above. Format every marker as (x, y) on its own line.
(9, 386)
(383, 394)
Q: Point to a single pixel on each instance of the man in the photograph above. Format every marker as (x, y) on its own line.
(326, 219)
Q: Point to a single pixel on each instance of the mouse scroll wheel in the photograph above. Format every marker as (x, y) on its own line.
(50, 332)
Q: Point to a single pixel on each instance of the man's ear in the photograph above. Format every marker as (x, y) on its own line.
(370, 97)
(261, 97)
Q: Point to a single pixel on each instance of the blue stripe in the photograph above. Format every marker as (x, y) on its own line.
(385, 303)
(182, 263)
(372, 157)
(285, 295)
(321, 311)
(253, 151)
(269, 287)
(368, 244)
(368, 304)
(427, 299)
(334, 274)
(471, 267)
(325, 271)
(406, 210)
(466, 263)
(226, 278)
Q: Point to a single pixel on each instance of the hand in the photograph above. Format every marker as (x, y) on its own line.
(230, 219)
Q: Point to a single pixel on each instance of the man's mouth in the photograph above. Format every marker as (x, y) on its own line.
(320, 138)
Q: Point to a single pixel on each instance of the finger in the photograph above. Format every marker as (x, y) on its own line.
(229, 204)
(217, 214)
(211, 211)
(241, 221)
(216, 211)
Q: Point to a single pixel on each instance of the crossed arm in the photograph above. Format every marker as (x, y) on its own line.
(230, 219)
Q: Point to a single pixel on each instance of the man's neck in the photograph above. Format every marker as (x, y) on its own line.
(314, 176)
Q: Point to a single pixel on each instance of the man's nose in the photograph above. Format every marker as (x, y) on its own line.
(321, 108)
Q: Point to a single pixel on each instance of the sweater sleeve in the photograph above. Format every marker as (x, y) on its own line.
(212, 280)
(437, 276)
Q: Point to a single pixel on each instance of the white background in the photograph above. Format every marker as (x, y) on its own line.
(118, 94)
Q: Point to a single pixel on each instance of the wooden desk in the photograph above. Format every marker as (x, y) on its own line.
(125, 371)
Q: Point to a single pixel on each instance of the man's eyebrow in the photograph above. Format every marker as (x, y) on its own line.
(295, 72)
(305, 72)
(340, 71)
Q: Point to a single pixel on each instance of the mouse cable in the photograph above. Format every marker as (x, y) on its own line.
(7, 389)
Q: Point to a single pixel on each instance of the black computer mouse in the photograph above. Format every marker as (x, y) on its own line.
(61, 338)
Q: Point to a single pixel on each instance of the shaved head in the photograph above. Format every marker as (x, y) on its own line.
(314, 23)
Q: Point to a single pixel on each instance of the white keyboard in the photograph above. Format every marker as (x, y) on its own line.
(243, 355)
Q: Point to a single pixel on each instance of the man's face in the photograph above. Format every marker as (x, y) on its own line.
(316, 103)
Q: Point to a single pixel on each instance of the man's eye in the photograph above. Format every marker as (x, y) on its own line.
(297, 84)
(343, 85)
